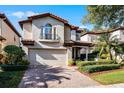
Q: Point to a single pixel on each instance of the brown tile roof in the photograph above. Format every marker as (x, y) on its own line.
(9, 24)
(102, 32)
(45, 15)
(48, 14)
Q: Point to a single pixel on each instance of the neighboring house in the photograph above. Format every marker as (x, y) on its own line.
(90, 37)
(8, 34)
(49, 39)
(93, 36)
(118, 33)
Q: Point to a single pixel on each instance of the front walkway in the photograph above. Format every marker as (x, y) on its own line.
(55, 77)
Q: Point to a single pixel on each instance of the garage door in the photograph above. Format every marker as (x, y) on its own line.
(48, 57)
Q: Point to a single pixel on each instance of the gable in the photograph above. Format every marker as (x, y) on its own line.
(46, 20)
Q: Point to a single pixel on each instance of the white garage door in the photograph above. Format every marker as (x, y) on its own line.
(48, 57)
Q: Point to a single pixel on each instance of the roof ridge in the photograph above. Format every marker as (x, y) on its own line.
(47, 14)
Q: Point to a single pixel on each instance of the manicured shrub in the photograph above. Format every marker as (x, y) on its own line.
(105, 60)
(13, 67)
(24, 62)
(71, 63)
(97, 68)
(14, 54)
(85, 63)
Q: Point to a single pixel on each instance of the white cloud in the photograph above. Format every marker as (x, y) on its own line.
(30, 13)
(82, 26)
(18, 14)
(21, 14)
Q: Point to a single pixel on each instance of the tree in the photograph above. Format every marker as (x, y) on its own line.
(105, 16)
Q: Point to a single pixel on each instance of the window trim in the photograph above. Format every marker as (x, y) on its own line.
(53, 33)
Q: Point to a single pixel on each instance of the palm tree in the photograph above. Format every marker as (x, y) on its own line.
(107, 44)
(103, 45)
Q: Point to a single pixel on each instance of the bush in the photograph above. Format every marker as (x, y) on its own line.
(71, 63)
(14, 54)
(97, 68)
(85, 63)
(24, 62)
(105, 60)
(13, 67)
(100, 62)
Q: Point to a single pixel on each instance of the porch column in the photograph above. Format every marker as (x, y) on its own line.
(87, 51)
(74, 53)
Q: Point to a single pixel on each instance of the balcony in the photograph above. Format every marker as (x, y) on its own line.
(49, 38)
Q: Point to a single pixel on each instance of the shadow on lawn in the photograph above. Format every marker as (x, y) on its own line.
(38, 76)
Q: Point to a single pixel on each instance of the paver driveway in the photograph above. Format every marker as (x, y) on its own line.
(45, 76)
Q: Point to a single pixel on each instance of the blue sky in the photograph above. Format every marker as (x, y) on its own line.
(73, 13)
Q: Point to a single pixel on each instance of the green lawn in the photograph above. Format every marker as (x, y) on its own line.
(110, 77)
(10, 79)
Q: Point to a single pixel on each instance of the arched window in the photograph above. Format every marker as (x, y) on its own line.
(47, 31)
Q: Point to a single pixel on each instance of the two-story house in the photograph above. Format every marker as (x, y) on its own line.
(51, 40)
(93, 36)
(8, 34)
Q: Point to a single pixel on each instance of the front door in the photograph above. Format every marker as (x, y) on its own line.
(75, 53)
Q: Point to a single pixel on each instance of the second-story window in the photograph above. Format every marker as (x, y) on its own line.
(47, 31)
(77, 36)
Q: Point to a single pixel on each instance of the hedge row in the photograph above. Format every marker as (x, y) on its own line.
(13, 67)
(97, 68)
(85, 63)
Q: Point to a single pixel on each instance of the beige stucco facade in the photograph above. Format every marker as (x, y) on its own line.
(32, 31)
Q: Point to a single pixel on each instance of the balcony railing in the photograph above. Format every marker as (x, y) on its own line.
(50, 37)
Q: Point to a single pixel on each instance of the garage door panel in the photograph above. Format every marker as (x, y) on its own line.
(48, 57)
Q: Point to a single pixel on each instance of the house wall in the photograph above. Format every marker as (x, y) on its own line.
(8, 34)
(122, 35)
(67, 33)
(27, 31)
(89, 38)
(115, 34)
(85, 38)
